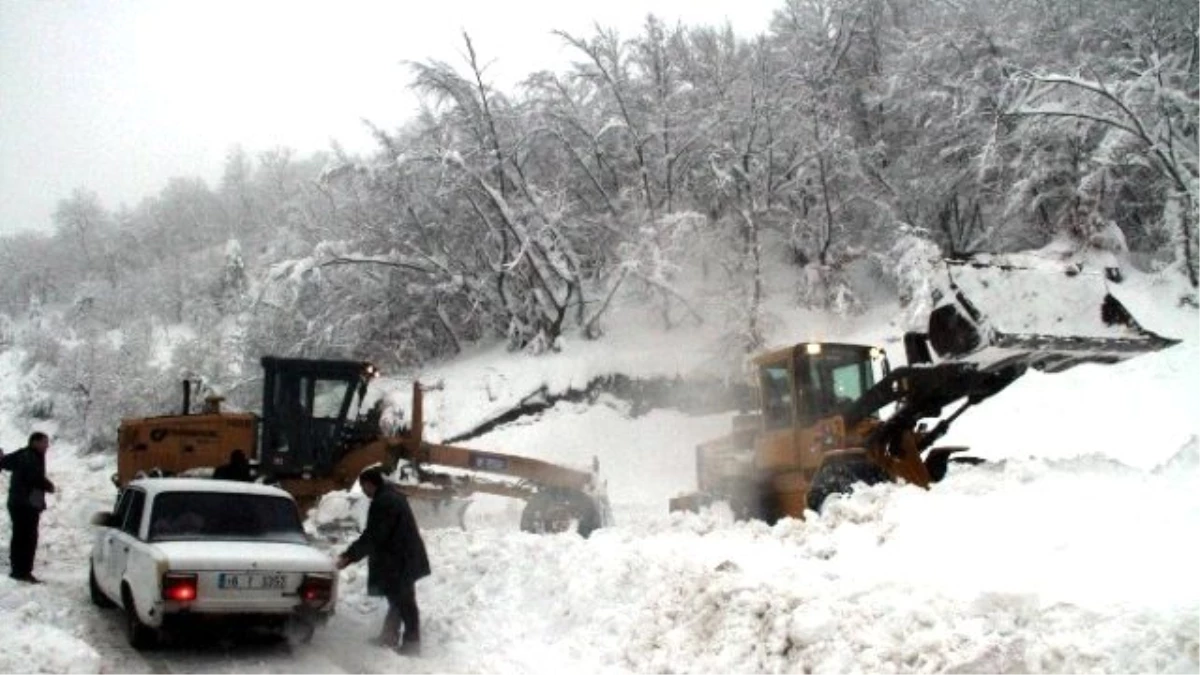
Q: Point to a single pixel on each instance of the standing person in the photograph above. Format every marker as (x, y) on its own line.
(26, 500)
(397, 559)
(238, 468)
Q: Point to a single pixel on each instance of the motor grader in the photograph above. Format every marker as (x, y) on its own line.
(833, 415)
(309, 442)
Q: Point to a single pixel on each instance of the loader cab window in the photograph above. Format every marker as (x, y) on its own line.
(776, 396)
(848, 382)
(833, 378)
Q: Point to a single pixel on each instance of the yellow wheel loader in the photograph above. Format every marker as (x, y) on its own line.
(308, 441)
(833, 415)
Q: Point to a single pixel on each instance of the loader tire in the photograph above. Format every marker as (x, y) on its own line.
(756, 501)
(838, 476)
(554, 511)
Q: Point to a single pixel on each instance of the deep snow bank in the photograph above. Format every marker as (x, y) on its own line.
(1020, 566)
(34, 645)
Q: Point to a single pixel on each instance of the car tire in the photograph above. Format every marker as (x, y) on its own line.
(141, 637)
(99, 599)
(299, 630)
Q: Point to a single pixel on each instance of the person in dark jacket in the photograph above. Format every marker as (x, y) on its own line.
(238, 468)
(397, 559)
(26, 500)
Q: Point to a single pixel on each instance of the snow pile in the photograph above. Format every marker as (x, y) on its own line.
(1139, 412)
(746, 600)
(1187, 459)
(1037, 296)
(34, 646)
(1024, 565)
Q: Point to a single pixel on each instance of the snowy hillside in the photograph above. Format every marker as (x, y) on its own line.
(1073, 551)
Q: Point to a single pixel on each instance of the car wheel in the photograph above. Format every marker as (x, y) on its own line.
(140, 635)
(299, 630)
(99, 599)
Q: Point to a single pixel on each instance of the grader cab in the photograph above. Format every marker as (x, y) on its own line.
(833, 415)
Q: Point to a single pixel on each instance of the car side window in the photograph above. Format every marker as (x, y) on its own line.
(133, 518)
(122, 509)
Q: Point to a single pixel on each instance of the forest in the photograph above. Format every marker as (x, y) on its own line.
(870, 132)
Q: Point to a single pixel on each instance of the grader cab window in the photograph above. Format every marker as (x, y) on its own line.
(329, 397)
(305, 409)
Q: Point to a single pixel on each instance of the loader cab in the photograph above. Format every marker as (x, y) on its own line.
(306, 413)
(815, 380)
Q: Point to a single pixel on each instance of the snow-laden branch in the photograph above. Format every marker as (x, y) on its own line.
(375, 260)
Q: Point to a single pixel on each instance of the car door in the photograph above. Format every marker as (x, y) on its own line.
(104, 562)
(125, 538)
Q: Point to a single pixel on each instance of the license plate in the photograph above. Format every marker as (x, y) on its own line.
(251, 582)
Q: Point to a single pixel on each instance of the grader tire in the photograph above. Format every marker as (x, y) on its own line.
(554, 511)
(839, 477)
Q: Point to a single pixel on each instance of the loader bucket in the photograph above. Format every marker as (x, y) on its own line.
(1040, 314)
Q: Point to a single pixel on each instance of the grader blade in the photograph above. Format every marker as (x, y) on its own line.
(1034, 312)
(440, 513)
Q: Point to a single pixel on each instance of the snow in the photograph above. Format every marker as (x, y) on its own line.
(1010, 298)
(33, 645)
(1073, 550)
(892, 580)
(172, 336)
(1139, 412)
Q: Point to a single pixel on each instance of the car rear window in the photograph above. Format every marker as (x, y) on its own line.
(179, 516)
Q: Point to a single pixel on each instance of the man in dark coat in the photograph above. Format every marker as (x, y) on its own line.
(397, 559)
(26, 500)
(238, 468)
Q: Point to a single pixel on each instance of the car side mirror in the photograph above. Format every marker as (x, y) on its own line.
(103, 519)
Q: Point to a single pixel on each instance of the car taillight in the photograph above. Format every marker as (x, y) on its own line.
(316, 590)
(179, 587)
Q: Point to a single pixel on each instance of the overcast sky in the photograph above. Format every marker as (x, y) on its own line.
(120, 95)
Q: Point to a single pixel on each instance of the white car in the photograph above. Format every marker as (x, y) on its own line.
(178, 550)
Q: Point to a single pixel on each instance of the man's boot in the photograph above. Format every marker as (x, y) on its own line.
(389, 634)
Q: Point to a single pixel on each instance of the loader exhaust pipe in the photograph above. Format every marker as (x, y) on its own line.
(187, 397)
(418, 415)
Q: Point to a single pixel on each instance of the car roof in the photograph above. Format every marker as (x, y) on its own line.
(154, 486)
